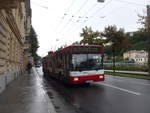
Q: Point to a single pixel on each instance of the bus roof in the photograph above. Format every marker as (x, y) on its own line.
(71, 47)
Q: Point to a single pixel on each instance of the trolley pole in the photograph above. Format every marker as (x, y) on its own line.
(148, 29)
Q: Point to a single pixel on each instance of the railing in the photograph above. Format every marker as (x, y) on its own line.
(124, 64)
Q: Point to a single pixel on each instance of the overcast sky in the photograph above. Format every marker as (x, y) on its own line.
(59, 22)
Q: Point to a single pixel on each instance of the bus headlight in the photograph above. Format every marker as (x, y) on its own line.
(76, 79)
(101, 77)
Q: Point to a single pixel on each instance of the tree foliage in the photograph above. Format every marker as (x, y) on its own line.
(61, 47)
(109, 38)
(117, 38)
(34, 44)
(139, 40)
(143, 21)
(90, 37)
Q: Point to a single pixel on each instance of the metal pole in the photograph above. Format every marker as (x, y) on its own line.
(148, 29)
(114, 60)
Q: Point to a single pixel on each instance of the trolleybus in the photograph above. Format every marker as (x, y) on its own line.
(75, 64)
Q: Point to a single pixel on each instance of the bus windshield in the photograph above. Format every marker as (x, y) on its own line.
(83, 62)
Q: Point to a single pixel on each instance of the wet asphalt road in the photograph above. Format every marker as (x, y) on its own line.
(115, 95)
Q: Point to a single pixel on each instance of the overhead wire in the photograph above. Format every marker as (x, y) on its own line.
(133, 3)
(83, 5)
(129, 2)
(73, 1)
(99, 9)
(88, 11)
(93, 6)
(124, 1)
(40, 5)
(76, 13)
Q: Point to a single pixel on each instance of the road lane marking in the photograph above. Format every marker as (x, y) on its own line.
(141, 83)
(118, 79)
(110, 79)
(121, 89)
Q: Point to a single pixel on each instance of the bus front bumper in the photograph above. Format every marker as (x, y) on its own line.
(86, 79)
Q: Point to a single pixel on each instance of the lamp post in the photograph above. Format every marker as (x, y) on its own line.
(148, 29)
(100, 0)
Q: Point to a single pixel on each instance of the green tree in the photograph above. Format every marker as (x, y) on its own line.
(108, 50)
(34, 44)
(75, 43)
(61, 47)
(139, 40)
(145, 22)
(90, 37)
(117, 38)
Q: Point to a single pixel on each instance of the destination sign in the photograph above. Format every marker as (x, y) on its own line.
(86, 49)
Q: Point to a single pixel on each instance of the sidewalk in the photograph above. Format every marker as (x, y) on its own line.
(26, 95)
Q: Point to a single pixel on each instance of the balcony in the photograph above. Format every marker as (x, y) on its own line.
(4, 4)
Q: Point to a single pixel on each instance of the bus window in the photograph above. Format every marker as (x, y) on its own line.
(81, 62)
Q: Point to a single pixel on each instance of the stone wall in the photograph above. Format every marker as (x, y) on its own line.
(12, 39)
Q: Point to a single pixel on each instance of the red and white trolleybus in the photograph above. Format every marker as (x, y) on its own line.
(75, 64)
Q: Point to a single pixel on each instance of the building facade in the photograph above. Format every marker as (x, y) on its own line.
(140, 57)
(13, 33)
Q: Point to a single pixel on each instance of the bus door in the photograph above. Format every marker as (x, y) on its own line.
(66, 64)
